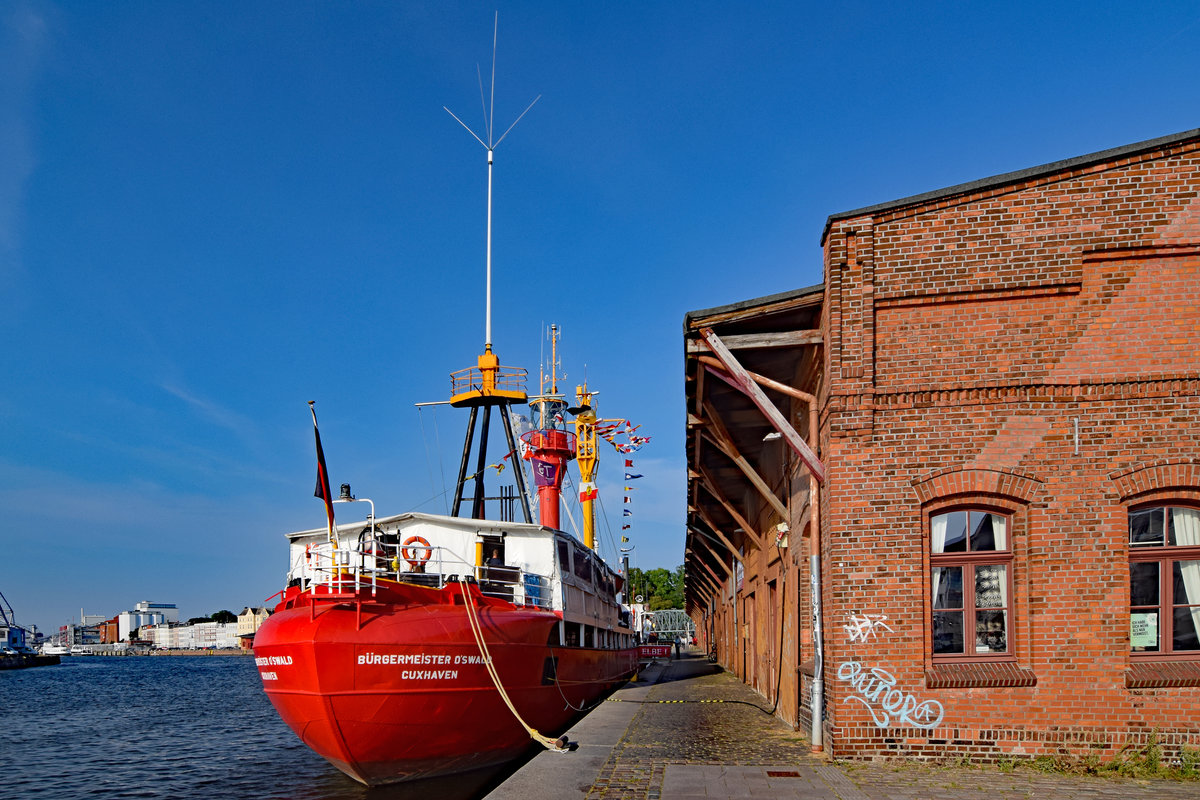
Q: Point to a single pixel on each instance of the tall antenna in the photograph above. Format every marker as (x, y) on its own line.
(490, 145)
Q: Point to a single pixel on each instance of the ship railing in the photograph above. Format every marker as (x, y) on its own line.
(358, 565)
(514, 585)
(347, 570)
(471, 379)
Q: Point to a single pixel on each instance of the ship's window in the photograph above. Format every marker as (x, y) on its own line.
(564, 557)
(583, 566)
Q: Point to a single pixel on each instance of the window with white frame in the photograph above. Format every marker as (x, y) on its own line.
(1164, 582)
(970, 584)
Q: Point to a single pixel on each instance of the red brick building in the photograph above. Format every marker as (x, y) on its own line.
(994, 401)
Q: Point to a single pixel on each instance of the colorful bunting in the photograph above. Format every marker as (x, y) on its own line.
(610, 431)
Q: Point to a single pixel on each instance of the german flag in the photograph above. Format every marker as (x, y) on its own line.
(322, 490)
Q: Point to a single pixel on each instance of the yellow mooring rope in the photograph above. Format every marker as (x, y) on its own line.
(558, 745)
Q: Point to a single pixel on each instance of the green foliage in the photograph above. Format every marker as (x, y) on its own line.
(660, 588)
(1129, 762)
(1189, 763)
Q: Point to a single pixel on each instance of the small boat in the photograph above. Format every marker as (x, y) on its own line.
(421, 645)
(51, 649)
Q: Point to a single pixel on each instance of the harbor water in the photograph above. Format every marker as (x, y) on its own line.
(169, 727)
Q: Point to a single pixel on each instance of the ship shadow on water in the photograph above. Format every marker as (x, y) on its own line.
(474, 785)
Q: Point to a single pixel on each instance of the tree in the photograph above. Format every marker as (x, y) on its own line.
(224, 616)
(660, 588)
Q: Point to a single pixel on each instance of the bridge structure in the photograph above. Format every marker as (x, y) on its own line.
(669, 623)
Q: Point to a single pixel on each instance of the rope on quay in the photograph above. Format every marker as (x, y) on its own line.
(558, 745)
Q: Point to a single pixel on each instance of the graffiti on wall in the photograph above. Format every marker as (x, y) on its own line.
(876, 688)
(864, 626)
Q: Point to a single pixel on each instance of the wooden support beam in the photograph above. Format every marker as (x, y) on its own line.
(760, 399)
(748, 341)
(710, 485)
(704, 543)
(696, 555)
(713, 527)
(704, 593)
(748, 385)
(699, 401)
(717, 434)
(700, 576)
(728, 545)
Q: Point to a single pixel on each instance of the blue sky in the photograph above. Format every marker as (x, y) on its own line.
(211, 213)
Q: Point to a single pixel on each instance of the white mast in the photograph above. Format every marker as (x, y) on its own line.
(490, 146)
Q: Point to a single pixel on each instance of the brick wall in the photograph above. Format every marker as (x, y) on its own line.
(1031, 347)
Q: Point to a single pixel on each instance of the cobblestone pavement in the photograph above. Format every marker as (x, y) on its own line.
(701, 734)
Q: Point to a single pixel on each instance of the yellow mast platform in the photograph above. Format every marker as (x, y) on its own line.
(487, 383)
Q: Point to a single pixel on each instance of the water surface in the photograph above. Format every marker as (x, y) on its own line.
(170, 727)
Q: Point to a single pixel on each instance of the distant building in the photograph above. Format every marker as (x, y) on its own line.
(144, 613)
(72, 634)
(12, 636)
(249, 620)
(130, 621)
(201, 636)
(169, 612)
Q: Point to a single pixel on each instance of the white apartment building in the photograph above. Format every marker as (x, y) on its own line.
(201, 636)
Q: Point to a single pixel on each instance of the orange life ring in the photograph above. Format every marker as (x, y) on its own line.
(410, 551)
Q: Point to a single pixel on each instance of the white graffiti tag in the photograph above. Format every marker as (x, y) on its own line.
(864, 627)
(876, 689)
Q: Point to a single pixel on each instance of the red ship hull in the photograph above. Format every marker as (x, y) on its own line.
(393, 687)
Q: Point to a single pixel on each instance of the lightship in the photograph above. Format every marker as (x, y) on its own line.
(420, 645)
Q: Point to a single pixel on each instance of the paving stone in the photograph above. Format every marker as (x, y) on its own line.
(701, 733)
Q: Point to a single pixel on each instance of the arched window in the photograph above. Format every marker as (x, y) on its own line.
(971, 584)
(1164, 582)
